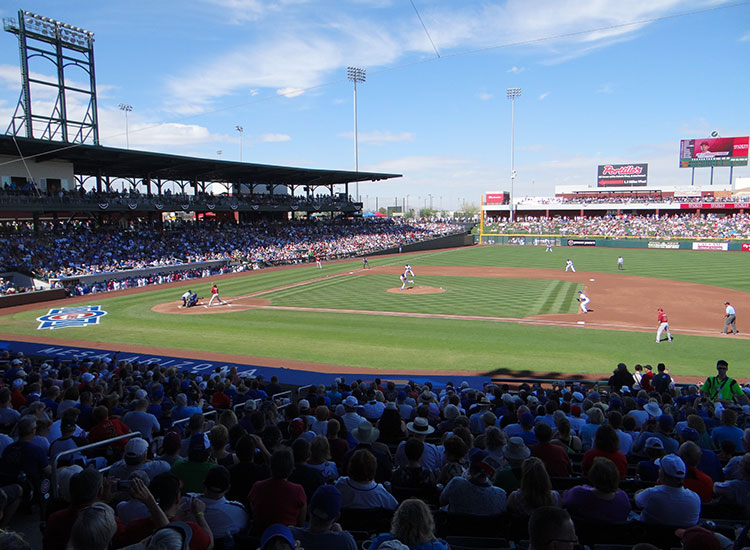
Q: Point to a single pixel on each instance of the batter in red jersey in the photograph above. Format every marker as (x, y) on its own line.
(215, 296)
(663, 326)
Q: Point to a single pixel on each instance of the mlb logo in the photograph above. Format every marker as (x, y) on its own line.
(65, 317)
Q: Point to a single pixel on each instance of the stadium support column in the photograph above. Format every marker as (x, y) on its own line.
(512, 94)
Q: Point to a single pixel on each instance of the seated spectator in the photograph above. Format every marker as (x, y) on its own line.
(320, 426)
(8, 415)
(607, 445)
(695, 480)
(601, 501)
(661, 427)
(392, 427)
(555, 458)
(131, 509)
(455, 463)
(225, 518)
(495, 440)
(669, 503)
(588, 430)
(732, 469)
(192, 472)
(474, 494)
(413, 526)
(136, 458)
(339, 445)
(431, 457)
(93, 529)
(277, 500)
(278, 537)
(413, 475)
(648, 470)
(567, 440)
(536, 487)
(320, 459)
(614, 419)
(22, 456)
(526, 422)
(737, 490)
(366, 437)
(550, 528)
(138, 420)
(107, 428)
(728, 431)
(309, 478)
(508, 477)
(170, 448)
(322, 532)
(219, 439)
(360, 490)
(252, 467)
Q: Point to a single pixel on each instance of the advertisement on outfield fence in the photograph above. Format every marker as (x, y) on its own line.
(664, 244)
(622, 175)
(731, 151)
(581, 242)
(710, 246)
(746, 247)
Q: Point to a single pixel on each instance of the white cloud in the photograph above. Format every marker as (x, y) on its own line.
(605, 88)
(275, 138)
(379, 138)
(745, 37)
(516, 70)
(543, 96)
(485, 96)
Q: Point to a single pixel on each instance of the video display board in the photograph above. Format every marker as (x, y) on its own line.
(730, 151)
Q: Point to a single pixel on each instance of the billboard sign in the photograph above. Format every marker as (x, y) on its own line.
(622, 175)
(731, 151)
(496, 198)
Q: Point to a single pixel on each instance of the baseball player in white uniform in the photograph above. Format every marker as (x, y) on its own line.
(620, 263)
(404, 280)
(569, 266)
(408, 270)
(584, 301)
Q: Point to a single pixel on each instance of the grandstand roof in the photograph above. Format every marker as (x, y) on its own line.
(125, 163)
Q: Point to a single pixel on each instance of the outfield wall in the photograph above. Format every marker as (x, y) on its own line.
(623, 242)
(451, 241)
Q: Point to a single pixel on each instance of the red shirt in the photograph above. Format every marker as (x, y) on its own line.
(555, 459)
(220, 400)
(107, 429)
(700, 483)
(214, 290)
(17, 400)
(275, 501)
(620, 460)
(646, 381)
(662, 317)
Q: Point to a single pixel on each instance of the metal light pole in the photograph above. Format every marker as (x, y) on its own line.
(241, 130)
(513, 93)
(355, 74)
(127, 108)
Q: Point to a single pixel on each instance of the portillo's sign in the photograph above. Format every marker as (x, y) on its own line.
(622, 175)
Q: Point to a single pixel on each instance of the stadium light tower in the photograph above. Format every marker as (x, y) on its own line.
(241, 130)
(355, 74)
(127, 108)
(513, 93)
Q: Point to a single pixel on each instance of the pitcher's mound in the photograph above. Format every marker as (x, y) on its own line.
(232, 304)
(416, 290)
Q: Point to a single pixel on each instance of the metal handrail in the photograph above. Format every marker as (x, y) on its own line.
(53, 475)
(240, 405)
(185, 420)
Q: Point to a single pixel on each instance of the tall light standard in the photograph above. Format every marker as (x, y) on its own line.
(513, 93)
(241, 130)
(127, 108)
(355, 74)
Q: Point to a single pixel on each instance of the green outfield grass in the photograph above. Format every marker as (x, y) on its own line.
(419, 344)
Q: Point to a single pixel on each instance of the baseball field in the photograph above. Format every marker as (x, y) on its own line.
(482, 310)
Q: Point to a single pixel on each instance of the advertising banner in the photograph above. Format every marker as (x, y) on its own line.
(710, 246)
(714, 205)
(746, 247)
(731, 151)
(581, 242)
(622, 175)
(496, 198)
(664, 244)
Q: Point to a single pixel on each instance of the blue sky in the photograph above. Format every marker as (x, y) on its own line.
(602, 81)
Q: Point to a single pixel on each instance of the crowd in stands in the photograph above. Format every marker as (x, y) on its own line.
(687, 226)
(628, 198)
(223, 460)
(59, 251)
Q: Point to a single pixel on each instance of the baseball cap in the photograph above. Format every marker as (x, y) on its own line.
(326, 502)
(304, 404)
(199, 442)
(666, 422)
(654, 443)
(689, 434)
(672, 465)
(698, 538)
(217, 479)
(87, 377)
(18, 382)
(351, 401)
(136, 447)
(277, 530)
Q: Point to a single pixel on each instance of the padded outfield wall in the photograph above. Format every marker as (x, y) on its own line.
(523, 239)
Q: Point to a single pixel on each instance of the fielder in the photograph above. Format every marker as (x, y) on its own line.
(620, 263)
(408, 270)
(569, 266)
(584, 301)
(318, 263)
(404, 280)
(215, 296)
(365, 263)
(549, 247)
(663, 325)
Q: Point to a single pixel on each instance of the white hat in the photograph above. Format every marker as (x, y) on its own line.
(653, 409)
(366, 433)
(420, 426)
(136, 447)
(578, 396)
(87, 377)
(351, 402)
(18, 383)
(141, 394)
(303, 404)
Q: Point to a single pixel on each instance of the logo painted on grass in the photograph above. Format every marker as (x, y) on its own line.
(65, 317)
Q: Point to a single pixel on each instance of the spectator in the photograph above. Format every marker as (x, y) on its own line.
(136, 458)
(277, 500)
(548, 525)
(138, 420)
(320, 459)
(192, 472)
(536, 488)
(323, 533)
(219, 439)
(366, 437)
(359, 489)
(413, 526)
(474, 494)
(413, 476)
(606, 445)
(737, 490)
(554, 457)
(732, 469)
(93, 529)
(727, 431)
(509, 476)
(588, 430)
(253, 466)
(695, 480)
(669, 503)
(602, 501)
